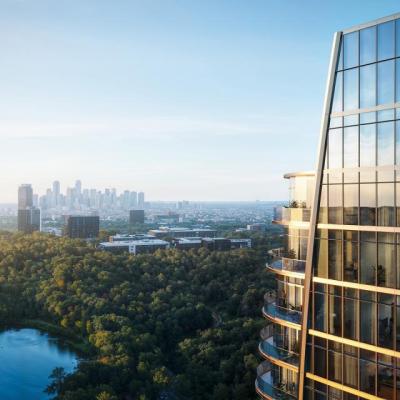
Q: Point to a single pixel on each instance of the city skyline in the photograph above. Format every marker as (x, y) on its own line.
(167, 95)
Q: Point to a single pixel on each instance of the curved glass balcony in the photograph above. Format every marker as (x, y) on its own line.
(266, 388)
(289, 214)
(274, 311)
(288, 264)
(269, 349)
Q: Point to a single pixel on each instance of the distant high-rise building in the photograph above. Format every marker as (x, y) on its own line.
(78, 188)
(133, 200)
(141, 200)
(25, 196)
(56, 193)
(28, 215)
(82, 226)
(136, 217)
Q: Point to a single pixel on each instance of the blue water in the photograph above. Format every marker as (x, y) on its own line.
(27, 358)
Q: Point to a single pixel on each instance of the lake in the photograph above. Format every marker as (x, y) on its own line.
(27, 358)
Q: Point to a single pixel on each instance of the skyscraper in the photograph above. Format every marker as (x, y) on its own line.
(348, 321)
(28, 219)
(140, 200)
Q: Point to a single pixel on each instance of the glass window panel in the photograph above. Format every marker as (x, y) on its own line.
(337, 104)
(367, 204)
(335, 148)
(386, 214)
(350, 371)
(350, 147)
(350, 319)
(385, 382)
(350, 120)
(367, 151)
(369, 117)
(397, 81)
(397, 125)
(386, 115)
(335, 366)
(323, 204)
(398, 328)
(367, 376)
(322, 257)
(351, 50)
(385, 325)
(385, 139)
(350, 201)
(335, 259)
(336, 122)
(350, 84)
(385, 82)
(398, 206)
(335, 315)
(320, 312)
(367, 322)
(386, 273)
(368, 45)
(350, 262)
(398, 38)
(335, 204)
(368, 86)
(386, 40)
(368, 263)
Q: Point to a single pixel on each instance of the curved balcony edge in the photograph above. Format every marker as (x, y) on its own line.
(279, 356)
(280, 316)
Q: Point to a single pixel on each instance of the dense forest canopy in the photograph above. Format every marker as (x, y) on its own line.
(171, 325)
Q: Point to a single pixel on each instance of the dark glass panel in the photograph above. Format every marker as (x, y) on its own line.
(398, 37)
(320, 312)
(335, 214)
(350, 50)
(386, 40)
(398, 331)
(350, 264)
(368, 45)
(397, 126)
(335, 315)
(335, 259)
(385, 82)
(385, 143)
(367, 376)
(320, 362)
(350, 319)
(335, 366)
(368, 86)
(385, 325)
(385, 383)
(367, 204)
(350, 201)
(386, 214)
(368, 263)
(386, 273)
(367, 322)
(350, 86)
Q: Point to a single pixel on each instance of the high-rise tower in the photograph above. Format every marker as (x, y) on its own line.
(349, 330)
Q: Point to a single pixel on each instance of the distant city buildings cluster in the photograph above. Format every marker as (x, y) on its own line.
(78, 198)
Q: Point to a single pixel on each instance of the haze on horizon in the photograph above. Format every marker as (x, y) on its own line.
(182, 100)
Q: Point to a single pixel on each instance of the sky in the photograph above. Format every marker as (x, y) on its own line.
(182, 99)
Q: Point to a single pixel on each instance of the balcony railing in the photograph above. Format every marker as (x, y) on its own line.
(268, 348)
(274, 311)
(288, 264)
(288, 214)
(266, 387)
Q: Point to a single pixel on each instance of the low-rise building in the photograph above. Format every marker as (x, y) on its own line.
(135, 246)
(127, 238)
(187, 243)
(183, 232)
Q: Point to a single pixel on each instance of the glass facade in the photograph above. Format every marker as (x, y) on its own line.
(339, 317)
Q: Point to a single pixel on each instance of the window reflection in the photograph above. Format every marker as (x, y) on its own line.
(350, 371)
(335, 204)
(350, 264)
(350, 50)
(385, 139)
(386, 82)
(335, 315)
(367, 204)
(350, 201)
(385, 382)
(367, 376)
(367, 322)
(335, 259)
(335, 148)
(368, 86)
(320, 312)
(335, 366)
(350, 147)
(385, 325)
(350, 84)
(367, 263)
(350, 319)
(337, 104)
(386, 40)
(368, 45)
(386, 272)
(386, 214)
(398, 79)
(322, 257)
